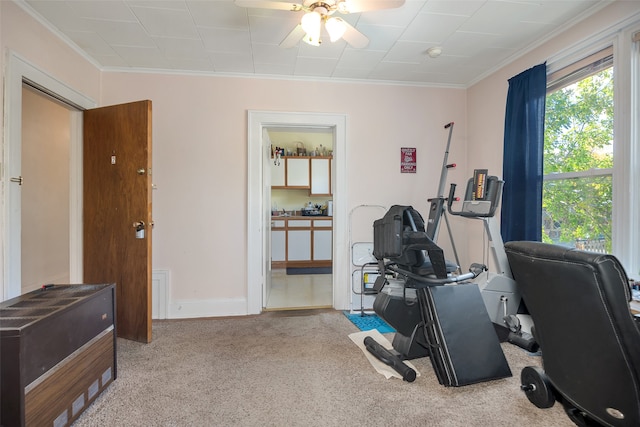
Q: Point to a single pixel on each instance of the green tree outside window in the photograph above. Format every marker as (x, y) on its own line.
(578, 162)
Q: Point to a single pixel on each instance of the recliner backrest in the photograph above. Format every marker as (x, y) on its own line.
(590, 342)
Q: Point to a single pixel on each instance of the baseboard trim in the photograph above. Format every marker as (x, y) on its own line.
(186, 309)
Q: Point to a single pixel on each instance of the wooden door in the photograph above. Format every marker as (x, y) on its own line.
(117, 197)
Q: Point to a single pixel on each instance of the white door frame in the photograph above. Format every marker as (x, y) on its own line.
(19, 70)
(258, 190)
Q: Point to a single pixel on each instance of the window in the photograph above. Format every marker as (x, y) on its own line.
(578, 155)
(612, 173)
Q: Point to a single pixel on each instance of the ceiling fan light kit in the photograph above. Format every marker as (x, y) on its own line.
(336, 28)
(311, 23)
(313, 41)
(317, 12)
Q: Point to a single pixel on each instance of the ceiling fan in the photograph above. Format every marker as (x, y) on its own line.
(317, 12)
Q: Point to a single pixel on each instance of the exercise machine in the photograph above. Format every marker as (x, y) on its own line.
(449, 324)
(498, 288)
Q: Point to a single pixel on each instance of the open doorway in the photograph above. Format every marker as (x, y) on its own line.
(18, 73)
(45, 188)
(301, 226)
(259, 198)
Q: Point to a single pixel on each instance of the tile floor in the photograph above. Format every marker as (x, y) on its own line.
(299, 291)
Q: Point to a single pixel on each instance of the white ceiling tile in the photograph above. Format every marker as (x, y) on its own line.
(555, 12)
(457, 7)
(327, 49)
(444, 63)
(381, 37)
(408, 52)
(191, 64)
(274, 54)
(232, 62)
(224, 40)
(487, 55)
(174, 48)
(122, 33)
(166, 22)
(489, 18)
(315, 67)
(389, 70)
(59, 14)
(432, 28)
(162, 4)
(103, 9)
(91, 42)
(275, 69)
(223, 14)
(463, 43)
(351, 73)
(142, 57)
(110, 61)
(356, 58)
(400, 16)
(270, 29)
(521, 33)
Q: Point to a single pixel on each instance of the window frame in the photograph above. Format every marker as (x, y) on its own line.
(625, 40)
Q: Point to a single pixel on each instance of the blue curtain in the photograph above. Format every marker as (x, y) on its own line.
(523, 147)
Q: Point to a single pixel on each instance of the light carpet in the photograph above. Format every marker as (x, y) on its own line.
(292, 369)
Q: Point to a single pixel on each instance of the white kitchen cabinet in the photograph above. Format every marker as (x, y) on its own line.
(278, 240)
(302, 242)
(277, 173)
(298, 172)
(322, 245)
(278, 245)
(299, 245)
(320, 177)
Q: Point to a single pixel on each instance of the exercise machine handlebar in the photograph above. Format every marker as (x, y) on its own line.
(474, 271)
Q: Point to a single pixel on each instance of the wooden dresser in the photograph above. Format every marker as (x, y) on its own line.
(57, 353)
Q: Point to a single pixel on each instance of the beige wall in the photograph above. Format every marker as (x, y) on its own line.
(200, 159)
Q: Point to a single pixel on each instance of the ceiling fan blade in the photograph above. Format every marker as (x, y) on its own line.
(265, 4)
(293, 37)
(354, 37)
(355, 6)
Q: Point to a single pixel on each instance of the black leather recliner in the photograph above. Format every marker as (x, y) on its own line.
(590, 341)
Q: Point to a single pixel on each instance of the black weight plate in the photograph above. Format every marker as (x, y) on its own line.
(537, 387)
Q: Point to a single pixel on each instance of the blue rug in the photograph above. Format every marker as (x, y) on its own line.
(369, 322)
